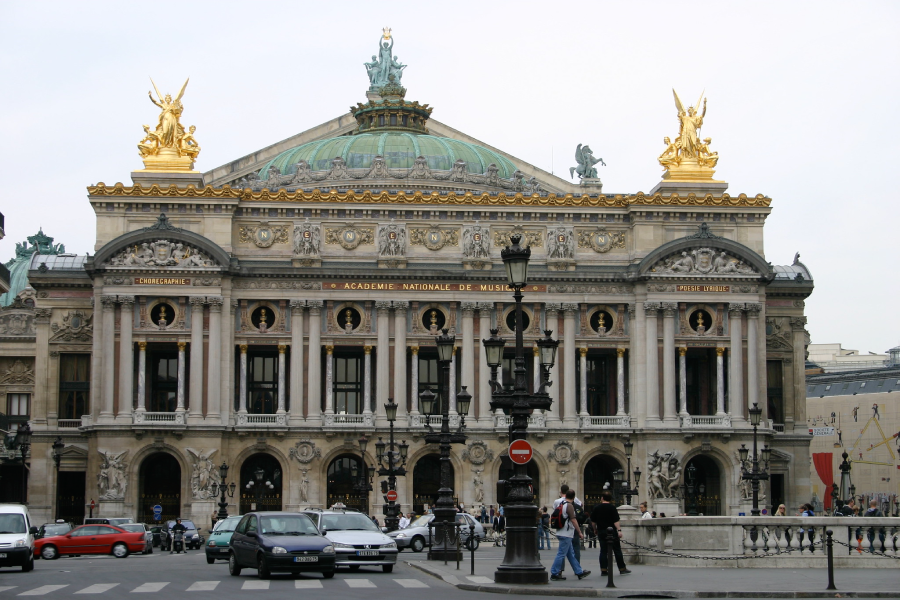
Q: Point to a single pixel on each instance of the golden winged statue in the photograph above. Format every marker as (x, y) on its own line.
(688, 158)
(168, 147)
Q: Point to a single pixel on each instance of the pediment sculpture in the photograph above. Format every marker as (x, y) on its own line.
(17, 322)
(161, 253)
(703, 261)
(17, 373)
(76, 326)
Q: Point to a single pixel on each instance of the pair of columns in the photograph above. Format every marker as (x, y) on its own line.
(620, 381)
(738, 405)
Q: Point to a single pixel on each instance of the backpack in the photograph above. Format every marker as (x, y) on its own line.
(558, 517)
(579, 513)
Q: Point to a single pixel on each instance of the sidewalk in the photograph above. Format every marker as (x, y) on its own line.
(706, 581)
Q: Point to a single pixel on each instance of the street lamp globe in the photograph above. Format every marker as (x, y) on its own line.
(363, 444)
(515, 259)
(426, 401)
(445, 343)
(223, 471)
(404, 450)
(463, 400)
(379, 449)
(755, 414)
(637, 476)
(766, 455)
(493, 350)
(743, 453)
(629, 448)
(390, 409)
(547, 348)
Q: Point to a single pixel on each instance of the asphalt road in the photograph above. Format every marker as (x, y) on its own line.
(160, 576)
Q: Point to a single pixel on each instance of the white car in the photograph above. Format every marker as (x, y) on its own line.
(416, 536)
(16, 537)
(356, 539)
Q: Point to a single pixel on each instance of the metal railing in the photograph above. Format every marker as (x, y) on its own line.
(68, 423)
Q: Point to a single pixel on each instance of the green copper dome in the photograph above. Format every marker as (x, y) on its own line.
(399, 149)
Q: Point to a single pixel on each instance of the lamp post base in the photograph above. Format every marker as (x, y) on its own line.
(521, 563)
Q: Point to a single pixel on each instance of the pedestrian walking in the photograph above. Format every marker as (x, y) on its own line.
(873, 511)
(565, 534)
(579, 516)
(483, 518)
(604, 516)
(544, 529)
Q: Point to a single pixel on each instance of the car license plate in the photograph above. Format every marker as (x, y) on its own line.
(367, 552)
(306, 559)
(2, 555)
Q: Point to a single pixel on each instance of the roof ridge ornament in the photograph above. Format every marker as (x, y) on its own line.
(162, 223)
(703, 233)
(385, 68)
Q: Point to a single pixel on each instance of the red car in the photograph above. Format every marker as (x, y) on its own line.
(91, 539)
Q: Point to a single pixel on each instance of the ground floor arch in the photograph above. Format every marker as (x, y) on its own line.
(708, 482)
(427, 482)
(598, 477)
(507, 470)
(345, 473)
(260, 483)
(159, 483)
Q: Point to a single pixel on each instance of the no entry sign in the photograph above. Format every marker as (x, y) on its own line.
(392, 496)
(520, 452)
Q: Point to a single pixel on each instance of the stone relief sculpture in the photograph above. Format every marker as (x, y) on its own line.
(704, 261)
(391, 240)
(203, 473)
(17, 373)
(561, 243)
(76, 326)
(306, 239)
(160, 253)
(112, 480)
(563, 452)
(479, 485)
(778, 334)
(476, 242)
(17, 324)
(664, 474)
(305, 452)
(478, 453)
(584, 156)
(304, 486)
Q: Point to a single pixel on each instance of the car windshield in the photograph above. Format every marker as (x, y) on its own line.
(348, 522)
(422, 521)
(50, 530)
(12, 523)
(131, 527)
(227, 525)
(287, 525)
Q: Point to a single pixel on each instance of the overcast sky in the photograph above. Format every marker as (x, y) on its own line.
(802, 105)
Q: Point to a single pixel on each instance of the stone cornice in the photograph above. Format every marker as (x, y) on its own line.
(119, 190)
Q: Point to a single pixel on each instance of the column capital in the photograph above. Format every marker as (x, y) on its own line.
(468, 309)
(181, 346)
(798, 322)
(682, 351)
(367, 349)
(142, 346)
(315, 307)
(234, 304)
(632, 310)
(670, 309)
(42, 315)
(651, 307)
(735, 310)
(414, 350)
(582, 351)
(215, 303)
(401, 305)
(486, 307)
(126, 300)
(243, 348)
(329, 349)
(536, 351)
(620, 352)
(196, 301)
(383, 306)
(297, 306)
(720, 352)
(108, 302)
(753, 309)
(569, 309)
(281, 348)
(552, 307)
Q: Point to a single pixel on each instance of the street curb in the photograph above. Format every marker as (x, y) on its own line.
(634, 593)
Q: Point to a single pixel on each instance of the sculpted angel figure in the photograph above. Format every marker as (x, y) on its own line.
(112, 482)
(690, 124)
(685, 264)
(169, 128)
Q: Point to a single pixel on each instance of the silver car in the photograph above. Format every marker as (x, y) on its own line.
(148, 537)
(416, 536)
(356, 539)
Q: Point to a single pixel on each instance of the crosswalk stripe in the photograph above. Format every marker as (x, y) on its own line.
(97, 588)
(203, 586)
(479, 579)
(150, 587)
(3, 588)
(307, 584)
(359, 583)
(255, 585)
(44, 589)
(411, 583)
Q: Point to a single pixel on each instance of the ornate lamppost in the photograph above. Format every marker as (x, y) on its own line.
(58, 446)
(220, 487)
(363, 476)
(627, 490)
(23, 443)
(257, 485)
(756, 473)
(847, 490)
(391, 464)
(444, 511)
(690, 491)
(521, 562)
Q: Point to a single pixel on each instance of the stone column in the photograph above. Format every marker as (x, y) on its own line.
(483, 401)
(414, 380)
(181, 382)
(720, 382)
(401, 395)
(670, 410)
(537, 367)
(126, 358)
(571, 355)
(142, 377)
(329, 379)
(107, 390)
(620, 382)
(383, 361)
(196, 381)
(652, 344)
(752, 355)
(796, 406)
(297, 411)
(281, 365)
(367, 380)
(682, 380)
(637, 367)
(736, 377)
(582, 410)
(314, 371)
(468, 348)
(242, 400)
(452, 383)
(214, 376)
(554, 415)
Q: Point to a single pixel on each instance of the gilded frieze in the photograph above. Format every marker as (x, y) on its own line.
(263, 235)
(529, 238)
(350, 237)
(601, 240)
(434, 238)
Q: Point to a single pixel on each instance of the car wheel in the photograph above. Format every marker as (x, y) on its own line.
(262, 568)
(233, 567)
(327, 574)
(210, 560)
(417, 544)
(120, 550)
(28, 566)
(353, 568)
(387, 568)
(49, 552)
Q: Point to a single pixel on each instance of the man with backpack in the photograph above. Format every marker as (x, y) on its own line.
(579, 515)
(565, 522)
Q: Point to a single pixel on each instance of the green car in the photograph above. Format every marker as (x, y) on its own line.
(220, 538)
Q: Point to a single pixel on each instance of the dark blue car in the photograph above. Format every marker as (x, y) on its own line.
(281, 542)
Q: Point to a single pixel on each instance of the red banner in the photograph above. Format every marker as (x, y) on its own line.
(824, 463)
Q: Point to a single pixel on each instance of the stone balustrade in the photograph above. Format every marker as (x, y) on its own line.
(266, 420)
(590, 422)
